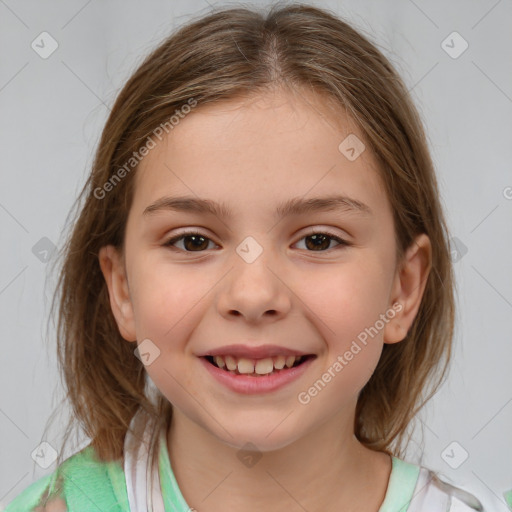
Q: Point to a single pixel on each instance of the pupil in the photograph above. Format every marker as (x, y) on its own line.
(195, 239)
(318, 241)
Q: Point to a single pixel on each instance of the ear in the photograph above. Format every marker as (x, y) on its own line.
(114, 272)
(408, 287)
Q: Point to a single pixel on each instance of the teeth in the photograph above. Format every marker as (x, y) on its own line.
(279, 362)
(264, 366)
(230, 363)
(259, 367)
(245, 365)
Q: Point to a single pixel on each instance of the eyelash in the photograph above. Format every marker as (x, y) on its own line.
(334, 237)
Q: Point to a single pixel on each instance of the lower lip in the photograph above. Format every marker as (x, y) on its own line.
(248, 385)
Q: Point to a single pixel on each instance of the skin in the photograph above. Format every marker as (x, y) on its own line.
(254, 154)
(55, 505)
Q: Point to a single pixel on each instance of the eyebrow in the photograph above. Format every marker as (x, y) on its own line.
(294, 206)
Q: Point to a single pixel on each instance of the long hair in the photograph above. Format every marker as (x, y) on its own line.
(227, 54)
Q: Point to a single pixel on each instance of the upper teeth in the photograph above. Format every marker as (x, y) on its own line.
(259, 366)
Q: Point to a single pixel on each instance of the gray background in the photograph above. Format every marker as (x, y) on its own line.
(52, 112)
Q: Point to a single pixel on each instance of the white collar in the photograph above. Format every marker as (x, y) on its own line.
(138, 476)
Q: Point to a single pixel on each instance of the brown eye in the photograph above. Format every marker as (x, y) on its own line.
(192, 242)
(195, 242)
(320, 242)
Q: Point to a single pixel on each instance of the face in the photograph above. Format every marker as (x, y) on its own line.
(319, 281)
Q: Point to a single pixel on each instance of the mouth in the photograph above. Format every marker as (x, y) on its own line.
(257, 367)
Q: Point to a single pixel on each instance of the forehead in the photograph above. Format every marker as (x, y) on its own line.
(260, 148)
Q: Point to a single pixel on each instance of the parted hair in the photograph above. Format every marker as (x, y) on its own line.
(233, 53)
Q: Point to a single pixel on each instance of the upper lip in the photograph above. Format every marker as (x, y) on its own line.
(252, 352)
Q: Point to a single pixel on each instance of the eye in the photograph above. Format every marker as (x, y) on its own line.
(318, 241)
(195, 242)
(192, 241)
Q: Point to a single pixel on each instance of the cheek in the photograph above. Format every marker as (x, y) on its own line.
(347, 298)
(345, 306)
(166, 300)
(167, 308)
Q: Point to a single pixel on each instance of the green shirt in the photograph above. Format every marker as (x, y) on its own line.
(89, 485)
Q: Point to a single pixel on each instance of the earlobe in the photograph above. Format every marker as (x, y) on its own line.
(112, 267)
(408, 288)
(394, 332)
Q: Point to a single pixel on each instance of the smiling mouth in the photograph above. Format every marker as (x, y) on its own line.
(257, 368)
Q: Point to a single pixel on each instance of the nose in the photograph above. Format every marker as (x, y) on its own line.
(255, 290)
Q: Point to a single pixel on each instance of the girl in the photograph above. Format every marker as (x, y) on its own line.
(257, 295)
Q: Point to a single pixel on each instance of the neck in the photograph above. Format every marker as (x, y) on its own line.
(319, 471)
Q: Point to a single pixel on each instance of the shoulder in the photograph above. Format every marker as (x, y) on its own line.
(431, 492)
(82, 481)
(31, 496)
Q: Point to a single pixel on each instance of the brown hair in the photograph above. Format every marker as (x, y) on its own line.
(235, 53)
